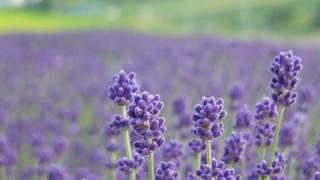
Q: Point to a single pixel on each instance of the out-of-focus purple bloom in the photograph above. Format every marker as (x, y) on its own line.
(316, 176)
(111, 132)
(228, 174)
(233, 148)
(190, 176)
(123, 87)
(166, 171)
(57, 173)
(179, 106)
(196, 146)
(184, 121)
(207, 172)
(309, 167)
(287, 134)
(44, 155)
(266, 110)
(305, 97)
(277, 166)
(235, 95)
(285, 68)
(60, 144)
(119, 123)
(37, 139)
(207, 117)
(172, 151)
(244, 118)
(264, 133)
(126, 165)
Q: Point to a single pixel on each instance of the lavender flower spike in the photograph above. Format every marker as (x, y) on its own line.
(207, 116)
(121, 93)
(122, 90)
(286, 68)
(166, 171)
(144, 113)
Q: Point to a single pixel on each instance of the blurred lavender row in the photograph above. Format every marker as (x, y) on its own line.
(54, 105)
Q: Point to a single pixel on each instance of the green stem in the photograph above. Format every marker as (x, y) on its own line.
(3, 172)
(127, 142)
(150, 163)
(276, 137)
(263, 155)
(209, 158)
(198, 163)
(113, 171)
(263, 152)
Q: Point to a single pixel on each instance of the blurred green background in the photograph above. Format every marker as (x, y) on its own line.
(267, 19)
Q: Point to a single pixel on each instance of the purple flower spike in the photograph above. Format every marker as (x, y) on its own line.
(277, 166)
(126, 165)
(166, 171)
(207, 172)
(233, 148)
(179, 106)
(207, 116)
(57, 173)
(286, 68)
(244, 118)
(118, 123)
(191, 176)
(123, 87)
(264, 133)
(197, 146)
(228, 174)
(172, 150)
(144, 113)
(145, 106)
(235, 95)
(266, 110)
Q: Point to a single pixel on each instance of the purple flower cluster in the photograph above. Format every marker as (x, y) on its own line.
(217, 170)
(144, 120)
(119, 123)
(122, 90)
(57, 173)
(196, 146)
(277, 166)
(286, 69)
(244, 118)
(207, 116)
(264, 134)
(172, 151)
(233, 148)
(126, 165)
(166, 171)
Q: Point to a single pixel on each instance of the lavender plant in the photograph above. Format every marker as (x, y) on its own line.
(121, 93)
(53, 107)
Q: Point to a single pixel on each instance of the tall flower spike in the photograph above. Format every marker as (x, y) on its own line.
(207, 117)
(235, 95)
(266, 110)
(57, 173)
(233, 148)
(172, 151)
(126, 165)
(286, 68)
(166, 171)
(196, 146)
(244, 118)
(123, 87)
(208, 172)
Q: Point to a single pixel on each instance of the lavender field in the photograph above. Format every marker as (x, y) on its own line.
(64, 117)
